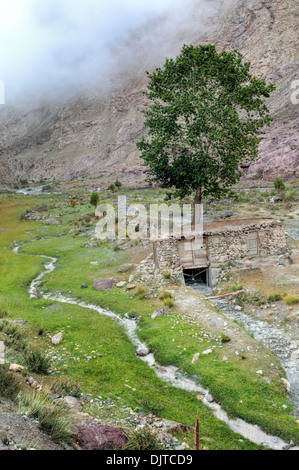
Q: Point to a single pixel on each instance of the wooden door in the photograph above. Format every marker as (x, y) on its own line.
(193, 255)
(253, 246)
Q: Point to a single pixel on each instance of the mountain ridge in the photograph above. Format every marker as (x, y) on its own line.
(95, 136)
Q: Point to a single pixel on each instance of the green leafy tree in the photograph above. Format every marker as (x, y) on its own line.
(203, 121)
(279, 185)
(94, 199)
(118, 184)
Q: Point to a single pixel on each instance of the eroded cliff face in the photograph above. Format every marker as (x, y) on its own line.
(267, 33)
(95, 136)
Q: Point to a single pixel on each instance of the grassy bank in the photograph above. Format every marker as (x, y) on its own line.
(97, 353)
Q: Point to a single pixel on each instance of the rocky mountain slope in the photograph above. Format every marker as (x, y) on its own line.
(94, 136)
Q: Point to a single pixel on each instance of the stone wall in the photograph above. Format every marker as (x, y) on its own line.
(166, 257)
(233, 245)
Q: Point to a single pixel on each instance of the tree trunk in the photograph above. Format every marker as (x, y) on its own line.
(197, 201)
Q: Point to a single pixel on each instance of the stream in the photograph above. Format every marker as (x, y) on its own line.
(166, 374)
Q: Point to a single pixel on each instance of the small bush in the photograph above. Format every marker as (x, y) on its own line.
(291, 195)
(94, 199)
(53, 418)
(9, 387)
(168, 303)
(225, 339)
(279, 184)
(166, 274)
(274, 298)
(143, 439)
(111, 187)
(236, 287)
(140, 293)
(291, 300)
(66, 388)
(165, 295)
(73, 202)
(37, 362)
(118, 184)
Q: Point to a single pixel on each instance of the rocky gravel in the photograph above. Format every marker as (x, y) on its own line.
(19, 432)
(277, 340)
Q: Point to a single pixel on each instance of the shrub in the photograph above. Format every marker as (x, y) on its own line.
(143, 439)
(66, 388)
(111, 187)
(279, 184)
(73, 202)
(291, 300)
(140, 293)
(236, 287)
(9, 387)
(291, 195)
(274, 298)
(118, 184)
(165, 295)
(54, 418)
(166, 274)
(168, 303)
(37, 362)
(94, 199)
(225, 339)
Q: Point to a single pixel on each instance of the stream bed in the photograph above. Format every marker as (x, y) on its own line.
(167, 374)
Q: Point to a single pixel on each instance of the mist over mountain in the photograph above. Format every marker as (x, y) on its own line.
(74, 75)
(54, 49)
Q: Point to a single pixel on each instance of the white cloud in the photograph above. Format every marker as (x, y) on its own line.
(51, 46)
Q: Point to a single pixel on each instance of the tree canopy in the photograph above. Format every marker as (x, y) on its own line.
(203, 122)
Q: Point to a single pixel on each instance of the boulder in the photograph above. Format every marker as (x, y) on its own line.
(143, 352)
(287, 385)
(121, 284)
(72, 403)
(285, 260)
(195, 358)
(208, 351)
(125, 268)
(227, 215)
(98, 437)
(57, 339)
(161, 311)
(104, 284)
(16, 368)
(52, 221)
(92, 244)
(275, 199)
(209, 398)
(36, 294)
(131, 287)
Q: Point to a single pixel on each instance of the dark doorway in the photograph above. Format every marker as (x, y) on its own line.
(196, 276)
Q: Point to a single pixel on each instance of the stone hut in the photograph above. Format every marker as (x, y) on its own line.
(235, 240)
